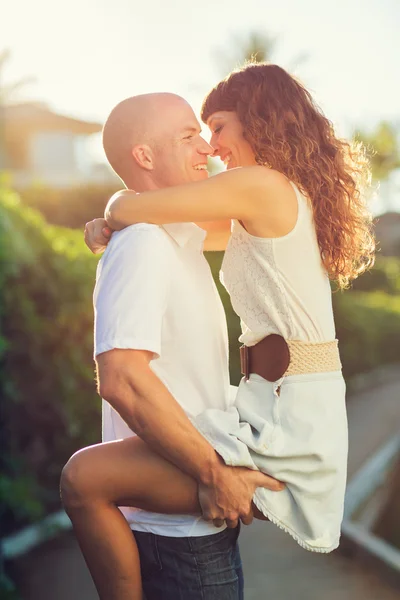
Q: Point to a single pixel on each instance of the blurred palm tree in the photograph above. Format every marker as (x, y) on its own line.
(255, 46)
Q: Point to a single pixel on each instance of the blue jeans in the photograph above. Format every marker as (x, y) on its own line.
(196, 568)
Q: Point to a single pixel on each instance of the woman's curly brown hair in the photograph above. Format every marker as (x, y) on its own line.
(289, 133)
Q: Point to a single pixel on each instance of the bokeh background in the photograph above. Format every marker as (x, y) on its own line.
(63, 66)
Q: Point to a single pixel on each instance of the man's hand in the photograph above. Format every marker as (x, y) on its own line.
(229, 498)
(97, 235)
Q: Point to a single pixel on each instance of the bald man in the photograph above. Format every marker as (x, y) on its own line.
(158, 315)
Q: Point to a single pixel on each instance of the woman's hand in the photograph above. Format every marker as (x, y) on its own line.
(97, 235)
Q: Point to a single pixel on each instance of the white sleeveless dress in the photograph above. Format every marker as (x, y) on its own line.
(299, 436)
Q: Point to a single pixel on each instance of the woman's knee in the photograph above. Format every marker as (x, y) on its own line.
(75, 482)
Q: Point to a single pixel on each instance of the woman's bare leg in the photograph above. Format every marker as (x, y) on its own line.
(100, 478)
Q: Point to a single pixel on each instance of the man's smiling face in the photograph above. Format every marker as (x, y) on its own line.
(180, 153)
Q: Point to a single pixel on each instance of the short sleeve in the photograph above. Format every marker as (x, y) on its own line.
(131, 291)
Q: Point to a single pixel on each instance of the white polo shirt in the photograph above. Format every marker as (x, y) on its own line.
(154, 291)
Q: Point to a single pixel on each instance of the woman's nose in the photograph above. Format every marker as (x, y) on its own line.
(214, 142)
(214, 146)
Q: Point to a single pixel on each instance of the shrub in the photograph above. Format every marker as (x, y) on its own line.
(368, 329)
(69, 207)
(49, 404)
(234, 331)
(384, 277)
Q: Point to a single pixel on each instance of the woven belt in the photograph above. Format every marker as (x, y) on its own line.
(274, 357)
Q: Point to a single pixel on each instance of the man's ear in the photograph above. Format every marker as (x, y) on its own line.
(143, 156)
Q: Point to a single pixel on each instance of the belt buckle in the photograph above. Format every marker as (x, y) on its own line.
(244, 361)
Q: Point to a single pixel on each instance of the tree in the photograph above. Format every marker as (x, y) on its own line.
(256, 46)
(383, 149)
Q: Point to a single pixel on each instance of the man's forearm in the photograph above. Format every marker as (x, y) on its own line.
(151, 411)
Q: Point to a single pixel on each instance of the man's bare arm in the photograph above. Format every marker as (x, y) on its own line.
(127, 382)
(98, 234)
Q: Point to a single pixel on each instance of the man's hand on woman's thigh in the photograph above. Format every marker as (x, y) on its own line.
(229, 497)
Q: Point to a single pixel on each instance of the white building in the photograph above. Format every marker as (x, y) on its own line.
(45, 147)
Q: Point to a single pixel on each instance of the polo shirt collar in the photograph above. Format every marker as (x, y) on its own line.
(185, 233)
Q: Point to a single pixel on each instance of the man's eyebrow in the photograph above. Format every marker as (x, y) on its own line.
(192, 130)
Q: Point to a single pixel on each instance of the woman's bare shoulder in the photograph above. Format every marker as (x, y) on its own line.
(261, 176)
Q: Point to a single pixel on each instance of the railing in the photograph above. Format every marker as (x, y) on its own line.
(367, 480)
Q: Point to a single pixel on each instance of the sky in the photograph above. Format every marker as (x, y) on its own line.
(87, 55)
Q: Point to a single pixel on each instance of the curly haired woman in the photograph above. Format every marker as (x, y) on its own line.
(299, 221)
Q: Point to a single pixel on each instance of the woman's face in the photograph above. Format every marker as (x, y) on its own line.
(228, 141)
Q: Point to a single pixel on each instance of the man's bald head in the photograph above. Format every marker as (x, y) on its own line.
(139, 120)
(153, 141)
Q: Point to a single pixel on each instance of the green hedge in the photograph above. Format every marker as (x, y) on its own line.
(368, 329)
(215, 260)
(49, 404)
(384, 277)
(69, 207)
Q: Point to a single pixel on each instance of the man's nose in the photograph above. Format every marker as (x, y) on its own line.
(206, 148)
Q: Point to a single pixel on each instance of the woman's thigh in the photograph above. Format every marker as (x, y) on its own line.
(128, 473)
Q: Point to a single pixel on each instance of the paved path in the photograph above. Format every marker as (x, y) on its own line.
(275, 566)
